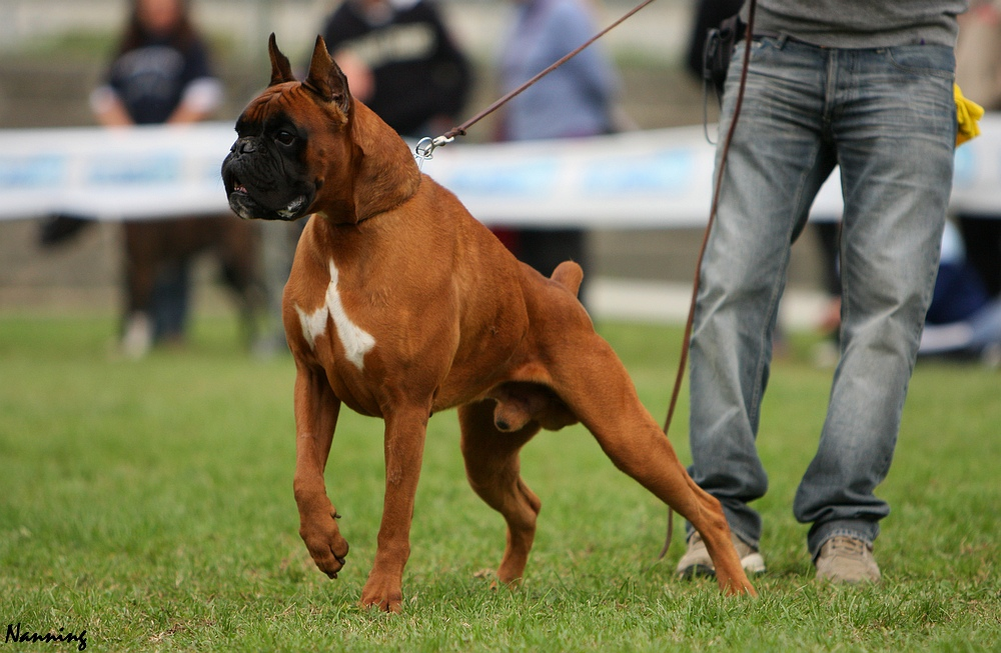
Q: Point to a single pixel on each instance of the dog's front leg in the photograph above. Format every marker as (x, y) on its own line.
(316, 410)
(404, 444)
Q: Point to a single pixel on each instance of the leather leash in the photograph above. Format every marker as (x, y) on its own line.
(427, 145)
(687, 341)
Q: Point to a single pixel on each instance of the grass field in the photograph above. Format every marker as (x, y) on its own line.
(150, 504)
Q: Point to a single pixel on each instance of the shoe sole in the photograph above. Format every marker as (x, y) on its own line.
(753, 564)
(848, 579)
(697, 571)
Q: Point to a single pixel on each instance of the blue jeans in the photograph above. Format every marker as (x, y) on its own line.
(887, 117)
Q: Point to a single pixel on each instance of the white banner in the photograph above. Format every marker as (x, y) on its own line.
(645, 179)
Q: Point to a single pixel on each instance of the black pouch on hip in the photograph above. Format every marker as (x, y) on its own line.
(720, 42)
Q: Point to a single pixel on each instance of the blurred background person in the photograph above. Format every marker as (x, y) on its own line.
(978, 73)
(963, 321)
(160, 74)
(401, 61)
(576, 100)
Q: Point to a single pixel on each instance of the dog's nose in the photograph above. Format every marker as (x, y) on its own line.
(243, 146)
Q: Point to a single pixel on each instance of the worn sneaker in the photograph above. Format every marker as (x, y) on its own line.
(844, 559)
(696, 561)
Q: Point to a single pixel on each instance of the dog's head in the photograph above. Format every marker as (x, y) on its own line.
(308, 147)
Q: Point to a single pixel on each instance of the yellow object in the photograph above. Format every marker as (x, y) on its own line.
(968, 113)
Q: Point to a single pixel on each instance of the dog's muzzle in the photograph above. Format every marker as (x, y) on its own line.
(257, 188)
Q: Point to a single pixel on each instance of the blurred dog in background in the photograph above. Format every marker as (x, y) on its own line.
(152, 247)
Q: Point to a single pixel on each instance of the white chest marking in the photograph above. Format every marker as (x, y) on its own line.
(356, 341)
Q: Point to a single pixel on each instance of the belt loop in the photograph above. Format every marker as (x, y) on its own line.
(780, 38)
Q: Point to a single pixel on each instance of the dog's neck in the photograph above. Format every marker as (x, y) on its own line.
(380, 172)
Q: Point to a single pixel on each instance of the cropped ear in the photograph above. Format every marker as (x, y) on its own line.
(281, 69)
(326, 79)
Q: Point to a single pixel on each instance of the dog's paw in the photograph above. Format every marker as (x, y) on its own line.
(383, 595)
(326, 546)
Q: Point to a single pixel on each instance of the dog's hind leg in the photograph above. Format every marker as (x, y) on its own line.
(494, 472)
(598, 390)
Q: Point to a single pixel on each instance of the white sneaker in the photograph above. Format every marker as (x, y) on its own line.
(696, 561)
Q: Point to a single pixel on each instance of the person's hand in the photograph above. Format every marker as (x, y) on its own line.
(109, 110)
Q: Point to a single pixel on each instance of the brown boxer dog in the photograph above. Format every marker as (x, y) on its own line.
(400, 305)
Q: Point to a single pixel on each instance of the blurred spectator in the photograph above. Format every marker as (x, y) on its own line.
(978, 73)
(160, 74)
(828, 241)
(575, 100)
(963, 319)
(401, 61)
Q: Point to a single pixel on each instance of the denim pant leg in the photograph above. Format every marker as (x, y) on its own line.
(171, 292)
(894, 123)
(775, 166)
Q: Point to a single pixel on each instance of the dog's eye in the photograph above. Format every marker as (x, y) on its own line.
(285, 137)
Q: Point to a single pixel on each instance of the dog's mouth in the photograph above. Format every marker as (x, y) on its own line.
(234, 185)
(240, 199)
(249, 205)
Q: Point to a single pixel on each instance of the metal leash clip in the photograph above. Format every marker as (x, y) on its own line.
(426, 147)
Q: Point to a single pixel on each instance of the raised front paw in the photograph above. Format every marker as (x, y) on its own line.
(326, 546)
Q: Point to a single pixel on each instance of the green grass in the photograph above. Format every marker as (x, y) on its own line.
(150, 503)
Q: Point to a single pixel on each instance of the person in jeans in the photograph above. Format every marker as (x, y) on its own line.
(868, 87)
